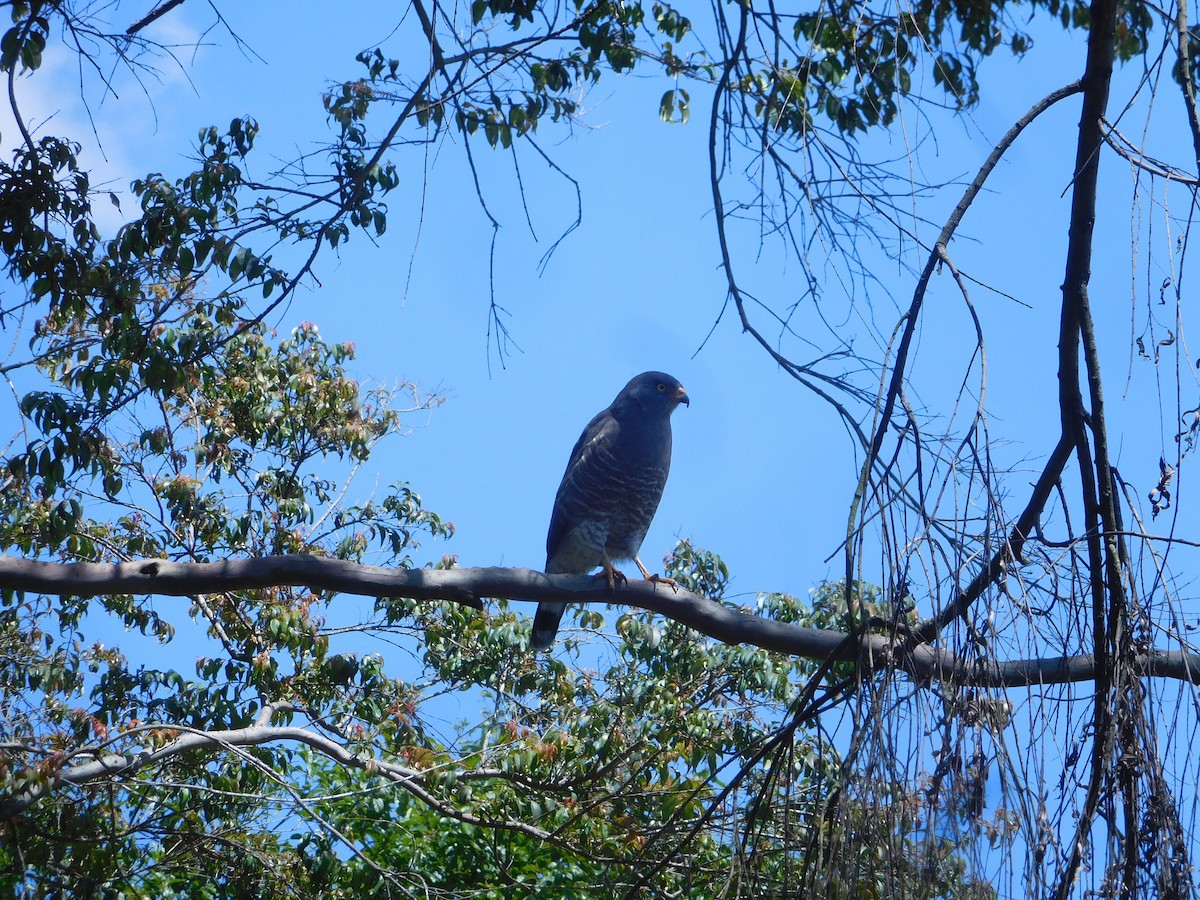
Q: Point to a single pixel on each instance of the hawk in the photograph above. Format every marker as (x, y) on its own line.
(611, 489)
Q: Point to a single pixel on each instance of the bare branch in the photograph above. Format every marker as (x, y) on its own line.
(874, 652)
(123, 764)
(1095, 475)
(157, 13)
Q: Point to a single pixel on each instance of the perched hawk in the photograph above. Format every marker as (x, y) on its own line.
(611, 489)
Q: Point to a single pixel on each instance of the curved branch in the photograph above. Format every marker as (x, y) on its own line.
(1012, 549)
(123, 764)
(873, 652)
(911, 318)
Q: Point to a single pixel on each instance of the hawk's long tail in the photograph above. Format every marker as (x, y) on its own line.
(545, 624)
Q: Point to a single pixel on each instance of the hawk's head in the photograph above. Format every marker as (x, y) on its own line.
(654, 393)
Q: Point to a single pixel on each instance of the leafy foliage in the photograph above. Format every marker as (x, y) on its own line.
(649, 770)
(168, 424)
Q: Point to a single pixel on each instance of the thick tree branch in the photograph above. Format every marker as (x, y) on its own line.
(470, 586)
(1185, 76)
(174, 579)
(1095, 483)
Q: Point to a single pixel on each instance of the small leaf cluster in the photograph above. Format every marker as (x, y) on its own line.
(25, 41)
(527, 88)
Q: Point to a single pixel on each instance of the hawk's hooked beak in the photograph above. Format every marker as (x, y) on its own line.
(681, 396)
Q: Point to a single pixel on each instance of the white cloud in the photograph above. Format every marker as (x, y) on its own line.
(116, 125)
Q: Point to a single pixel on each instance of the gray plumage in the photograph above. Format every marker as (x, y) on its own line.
(611, 488)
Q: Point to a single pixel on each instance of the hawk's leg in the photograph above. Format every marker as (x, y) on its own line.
(652, 578)
(612, 574)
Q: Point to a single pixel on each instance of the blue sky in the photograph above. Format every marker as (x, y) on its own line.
(763, 472)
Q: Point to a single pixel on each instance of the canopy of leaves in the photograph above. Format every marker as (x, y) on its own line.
(682, 764)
